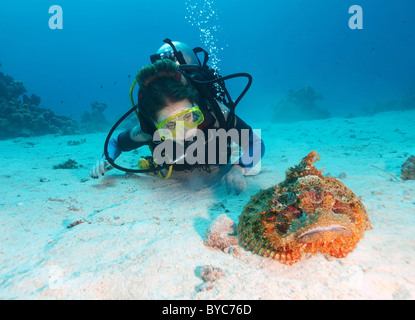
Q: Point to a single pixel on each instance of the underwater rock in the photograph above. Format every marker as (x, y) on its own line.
(205, 286)
(220, 233)
(408, 169)
(300, 105)
(211, 273)
(98, 106)
(23, 117)
(95, 121)
(406, 102)
(304, 215)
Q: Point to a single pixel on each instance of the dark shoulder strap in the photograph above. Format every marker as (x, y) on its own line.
(206, 55)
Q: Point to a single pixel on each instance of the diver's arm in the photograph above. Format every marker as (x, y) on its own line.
(114, 149)
(138, 135)
(126, 141)
(102, 165)
(133, 139)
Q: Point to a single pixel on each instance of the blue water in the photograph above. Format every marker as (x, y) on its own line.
(283, 44)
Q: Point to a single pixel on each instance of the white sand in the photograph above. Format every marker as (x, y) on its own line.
(143, 237)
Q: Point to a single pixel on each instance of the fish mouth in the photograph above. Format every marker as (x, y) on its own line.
(316, 234)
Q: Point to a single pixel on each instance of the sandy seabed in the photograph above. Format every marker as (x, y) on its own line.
(65, 236)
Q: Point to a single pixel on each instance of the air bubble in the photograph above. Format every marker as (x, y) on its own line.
(201, 13)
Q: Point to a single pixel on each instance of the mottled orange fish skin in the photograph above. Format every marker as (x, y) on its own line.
(304, 215)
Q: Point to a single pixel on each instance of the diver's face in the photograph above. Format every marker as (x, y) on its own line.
(170, 111)
(172, 108)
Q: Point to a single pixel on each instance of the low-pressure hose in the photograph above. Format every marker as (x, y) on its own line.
(131, 97)
(111, 161)
(233, 104)
(231, 76)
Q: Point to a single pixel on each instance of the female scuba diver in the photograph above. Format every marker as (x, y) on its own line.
(169, 102)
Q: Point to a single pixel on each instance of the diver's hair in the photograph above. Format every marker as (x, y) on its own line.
(160, 83)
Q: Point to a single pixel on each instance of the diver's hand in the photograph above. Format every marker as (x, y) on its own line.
(235, 180)
(99, 169)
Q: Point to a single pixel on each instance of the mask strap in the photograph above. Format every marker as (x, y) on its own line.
(177, 54)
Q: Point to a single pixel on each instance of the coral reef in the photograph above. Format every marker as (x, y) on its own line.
(22, 116)
(408, 169)
(95, 121)
(407, 102)
(220, 233)
(304, 215)
(300, 105)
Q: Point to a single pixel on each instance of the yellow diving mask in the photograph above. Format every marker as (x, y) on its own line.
(188, 119)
